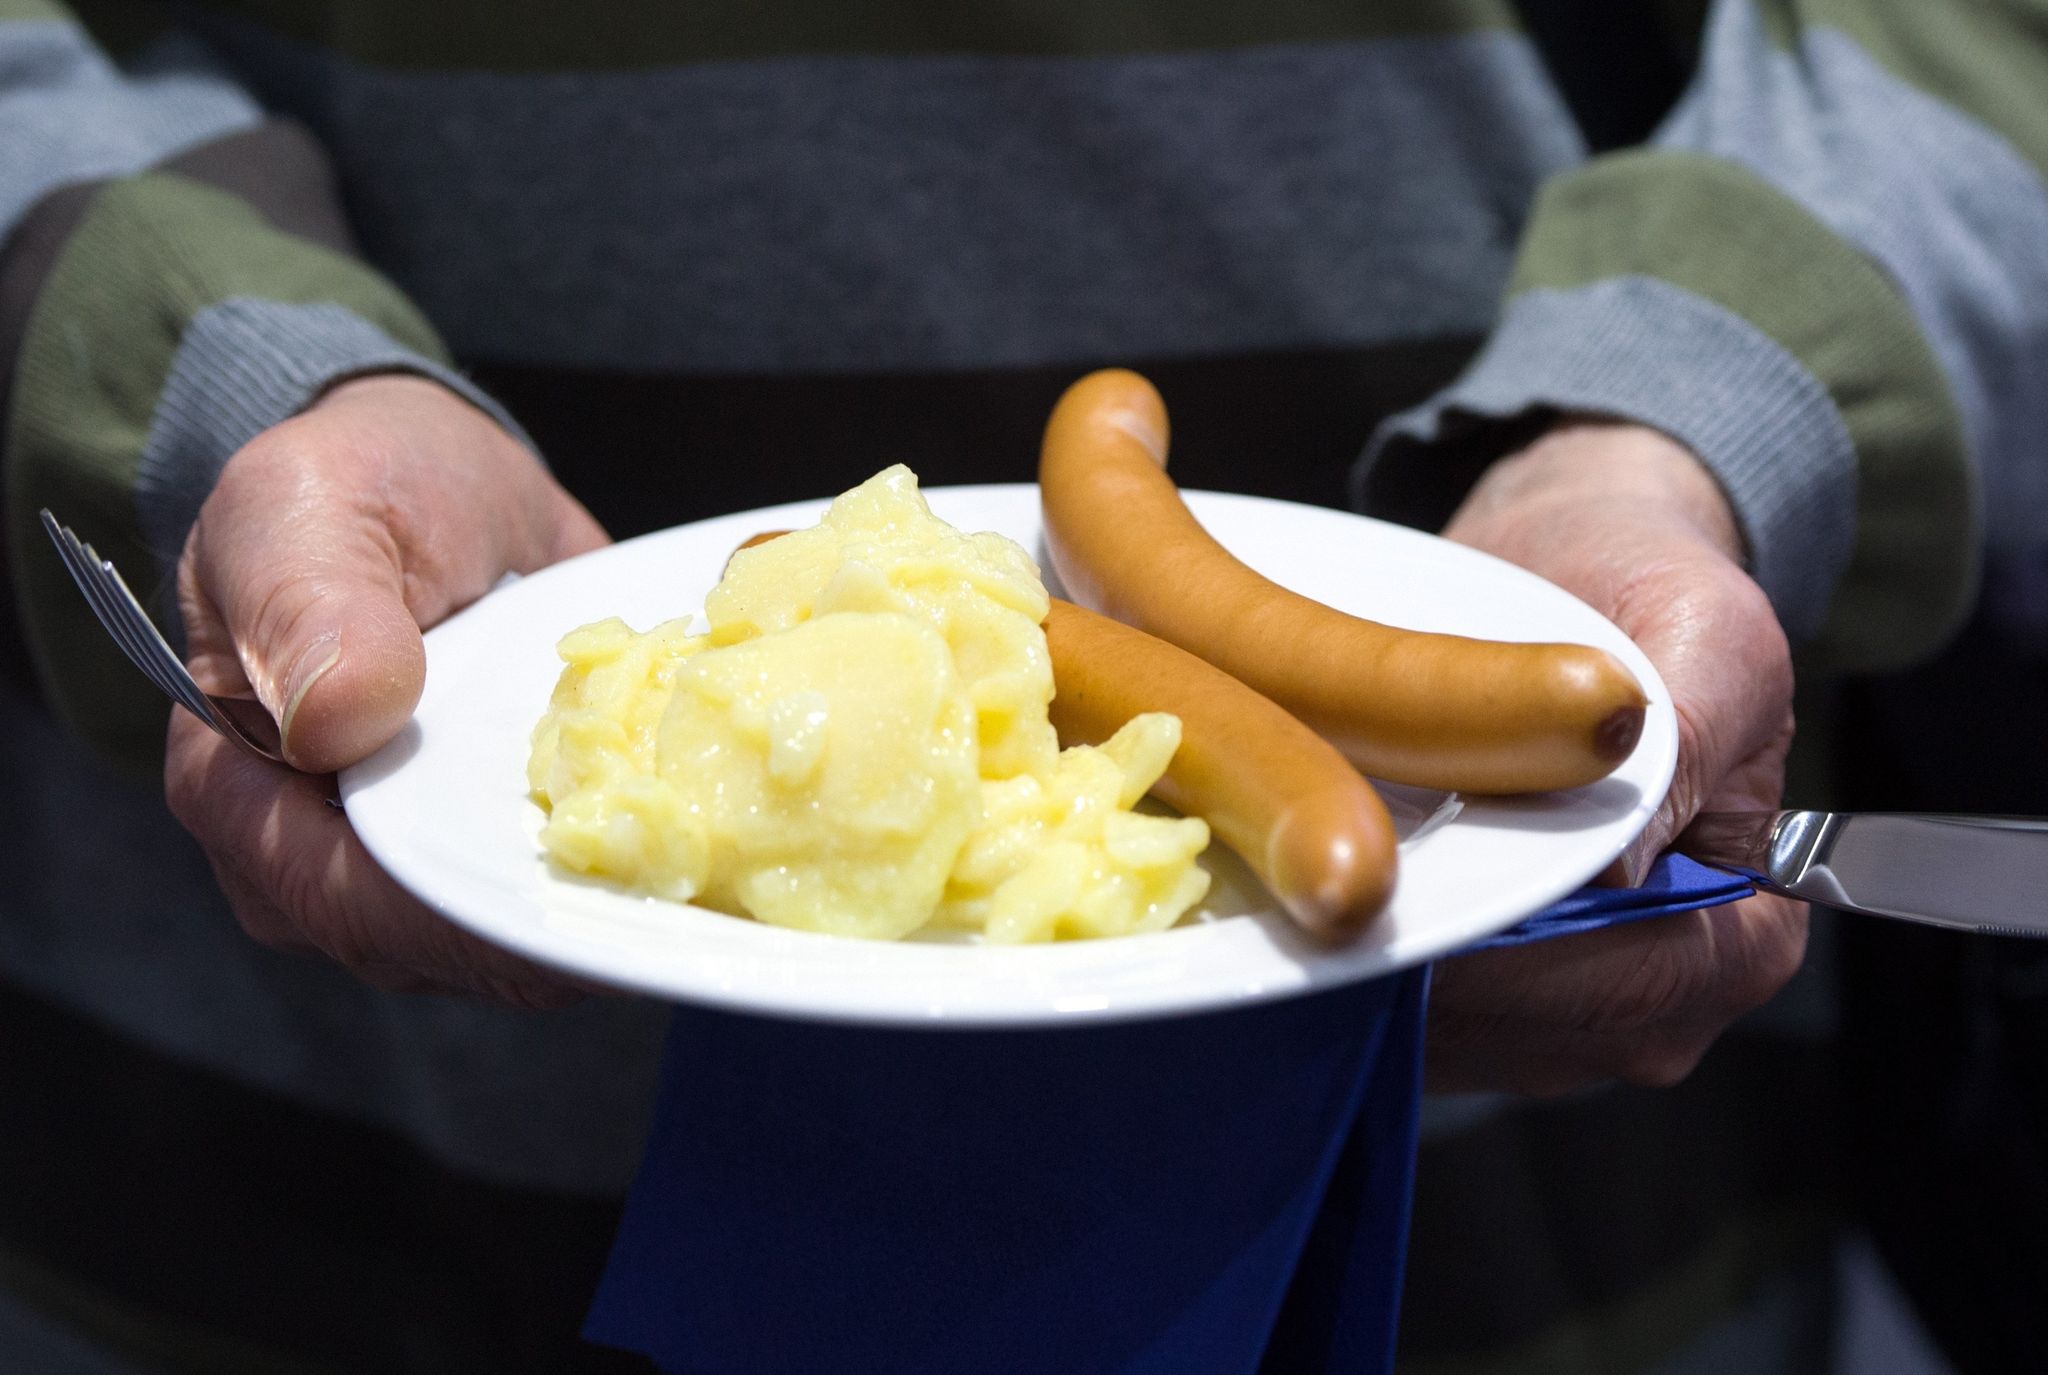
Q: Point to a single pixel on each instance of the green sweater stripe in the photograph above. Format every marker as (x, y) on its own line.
(31, 9)
(152, 252)
(1716, 230)
(545, 35)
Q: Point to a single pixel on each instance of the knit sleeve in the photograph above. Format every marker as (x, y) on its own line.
(176, 276)
(1827, 275)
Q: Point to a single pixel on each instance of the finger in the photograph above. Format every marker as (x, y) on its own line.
(189, 759)
(299, 865)
(266, 924)
(259, 918)
(1640, 1003)
(576, 530)
(1720, 961)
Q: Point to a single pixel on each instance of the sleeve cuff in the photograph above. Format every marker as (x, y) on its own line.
(243, 366)
(1647, 351)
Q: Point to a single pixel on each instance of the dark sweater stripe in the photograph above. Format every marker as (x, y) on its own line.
(206, 1197)
(647, 451)
(1749, 1134)
(871, 215)
(282, 171)
(43, 1306)
(544, 35)
(276, 167)
(218, 1207)
(71, 115)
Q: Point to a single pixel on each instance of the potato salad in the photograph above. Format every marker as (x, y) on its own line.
(858, 744)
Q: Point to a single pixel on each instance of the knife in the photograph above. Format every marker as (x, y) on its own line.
(1987, 874)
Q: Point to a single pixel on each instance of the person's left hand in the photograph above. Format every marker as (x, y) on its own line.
(1630, 522)
(328, 543)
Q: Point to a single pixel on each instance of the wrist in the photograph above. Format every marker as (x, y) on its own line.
(380, 399)
(1586, 462)
(396, 387)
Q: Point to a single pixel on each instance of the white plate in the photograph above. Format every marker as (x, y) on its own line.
(445, 808)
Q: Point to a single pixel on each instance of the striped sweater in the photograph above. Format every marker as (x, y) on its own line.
(713, 255)
(1823, 271)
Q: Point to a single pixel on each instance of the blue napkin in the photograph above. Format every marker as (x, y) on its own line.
(1674, 884)
(1216, 1195)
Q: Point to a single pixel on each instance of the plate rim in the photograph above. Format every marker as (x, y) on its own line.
(1312, 969)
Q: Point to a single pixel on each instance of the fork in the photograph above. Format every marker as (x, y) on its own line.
(240, 720)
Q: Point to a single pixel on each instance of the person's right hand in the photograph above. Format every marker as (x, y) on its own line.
(329, 542)
(1631, 522)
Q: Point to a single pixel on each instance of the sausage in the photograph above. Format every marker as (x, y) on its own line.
(1440, 711)
(1283, 798)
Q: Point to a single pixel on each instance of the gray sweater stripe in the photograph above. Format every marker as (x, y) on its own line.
(242, 366)
(1647, 350)
(1954, 214)
(852, 214)
(71, 116)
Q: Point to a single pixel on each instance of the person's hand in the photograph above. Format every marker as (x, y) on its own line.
(329, 542)
(1628, 520)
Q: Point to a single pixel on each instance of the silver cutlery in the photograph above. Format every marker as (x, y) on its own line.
(1985, 874)
(240, 720)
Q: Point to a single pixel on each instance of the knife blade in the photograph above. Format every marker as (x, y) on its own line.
(1984, 874)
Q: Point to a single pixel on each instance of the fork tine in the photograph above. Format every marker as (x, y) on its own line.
(90, 582)
(145, 645)
(153, 645)
(118, 624)
(131, 608)
(121, 614)
(90, 572)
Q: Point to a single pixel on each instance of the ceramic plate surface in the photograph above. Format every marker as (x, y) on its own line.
(444, 807)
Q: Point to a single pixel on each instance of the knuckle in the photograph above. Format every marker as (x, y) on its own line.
(194, 791)
(301, 890)
(1662, 1062)
(396, 978)
(350, 947)
(1553, 1080)
(258, 920)
(1660, 987)
(264, 926)
(526, 996)
(282, 606)
(1774, 949)
(346, 943)
(181, 792)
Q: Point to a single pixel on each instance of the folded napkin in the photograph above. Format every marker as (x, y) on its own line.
(1675, 884)
(1224, 1194)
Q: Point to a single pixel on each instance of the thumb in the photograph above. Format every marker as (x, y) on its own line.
(1718, 646)
(312, 614)
(354, 666)
(331, 538)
